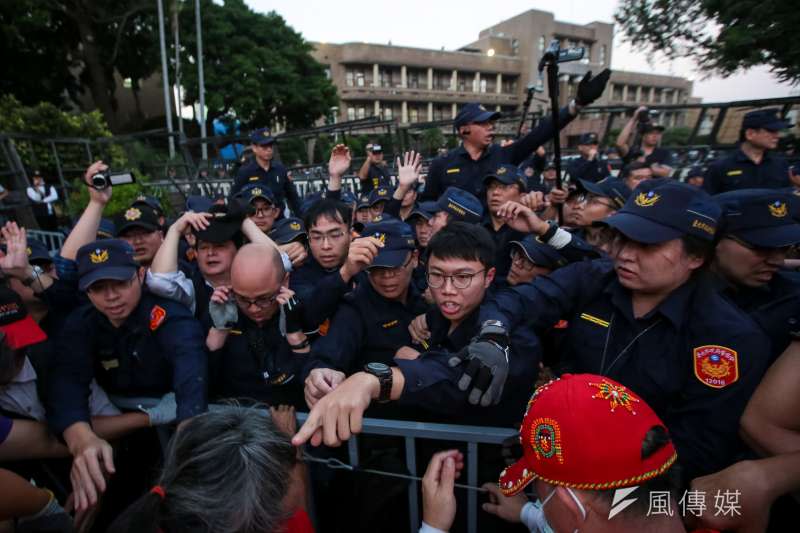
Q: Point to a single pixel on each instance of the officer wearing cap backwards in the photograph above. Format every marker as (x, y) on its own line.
(757, 230)
(132, 342)
(752, 165)
(372, 321)
(465, 166)
(265, 170)
(588, 166)
(648, 320)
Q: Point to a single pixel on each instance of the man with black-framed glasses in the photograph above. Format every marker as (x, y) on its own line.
(460, 271)
(596, 201)
(758, 230)
(372, 322)
(257, 345)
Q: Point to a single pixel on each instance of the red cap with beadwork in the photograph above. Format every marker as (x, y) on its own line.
(586, 431)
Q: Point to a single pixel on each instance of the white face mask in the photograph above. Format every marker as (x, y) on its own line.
(538, 522)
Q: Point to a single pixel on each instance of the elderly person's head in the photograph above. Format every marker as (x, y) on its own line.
(226, 470)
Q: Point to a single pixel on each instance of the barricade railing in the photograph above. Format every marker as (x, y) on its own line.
(410, 431)
(54, 240)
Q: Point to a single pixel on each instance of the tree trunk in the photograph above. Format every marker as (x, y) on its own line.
(98, 83)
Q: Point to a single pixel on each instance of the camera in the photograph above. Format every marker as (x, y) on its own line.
(645, 116)
(105, 179)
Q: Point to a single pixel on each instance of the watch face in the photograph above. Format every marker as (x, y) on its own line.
(378, 368)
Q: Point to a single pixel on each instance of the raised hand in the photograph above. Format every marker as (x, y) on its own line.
(339, 162)
(408, 169)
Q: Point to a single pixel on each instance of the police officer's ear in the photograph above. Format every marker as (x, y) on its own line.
(463, 131)
(285, 280)
(141, 272)
(414, 261)
(489, 278)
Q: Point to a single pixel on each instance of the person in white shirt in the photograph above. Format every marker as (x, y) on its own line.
(43, 198)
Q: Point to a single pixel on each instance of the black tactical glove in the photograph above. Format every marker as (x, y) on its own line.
(293, 313)
(486, 368)
(590, 89)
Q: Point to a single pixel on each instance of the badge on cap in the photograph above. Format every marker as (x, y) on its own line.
(778, 209)
(501, 171)
(716, 366)
(294, 226)
(647, 200)
(98, 256)
(157, 317)
(616, 394)
(547, 439)
(133, 214)
(380, 236)
(256, 192)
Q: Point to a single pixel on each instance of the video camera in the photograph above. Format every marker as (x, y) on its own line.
(105, 179)
(644, 118)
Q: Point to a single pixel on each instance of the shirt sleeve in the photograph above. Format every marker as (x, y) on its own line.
(52, 196)
(183, 343)
(71, 375)
(713, 178)
(341, 347)
(542, 133)
(325, 295)
(5, 428)
(172, 285)
(433, 183)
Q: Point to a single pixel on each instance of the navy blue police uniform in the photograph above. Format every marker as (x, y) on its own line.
(378, 175)
(458, 169)
(503, 235)
(159, 348)
(275, 177)
(737, 171)
(762, 219)
(695, 358)
(659, 156)
(368, 327)
(592, 170)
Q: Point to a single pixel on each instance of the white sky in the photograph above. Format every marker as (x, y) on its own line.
(452, 24)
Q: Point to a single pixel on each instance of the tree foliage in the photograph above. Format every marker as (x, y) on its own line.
(255, 67)
(722, 36)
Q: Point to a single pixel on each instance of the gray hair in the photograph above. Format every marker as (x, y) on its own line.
(226, 471)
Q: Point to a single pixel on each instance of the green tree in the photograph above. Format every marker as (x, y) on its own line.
(722, 36)
(678, 136)
(255, 66)
(432, 140)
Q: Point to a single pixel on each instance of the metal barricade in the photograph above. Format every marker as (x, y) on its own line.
(409, 431)
(52, 239)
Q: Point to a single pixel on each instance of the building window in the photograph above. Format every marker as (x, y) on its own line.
(387, 113)
(509, 85)
(349, 77)
(483, 85)
(413, 114)
(327, 73)
(351, 113)
(631, 93)
(617, 92)
(541, 43)
(514, 47)
(603, 55)
(658, 94)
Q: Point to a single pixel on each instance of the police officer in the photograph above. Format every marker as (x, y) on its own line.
(257, 345)
(531, 258)
(454, 205)
(757, 232)
(695, 176)
(131, 342)
(752, 165)
(139, 227)
(648, 320)
(378, 198)
(648, 151)
(589, 166)
(267, 171)
(374, 172)
(595, 202)
(464, 167)
(264, 208)
(504, 184)
(153, 203)
(372, 322)
(291, 237)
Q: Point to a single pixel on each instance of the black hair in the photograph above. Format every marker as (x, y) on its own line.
(462, 240)
(669, 482)
(697, 247)
(328, 208)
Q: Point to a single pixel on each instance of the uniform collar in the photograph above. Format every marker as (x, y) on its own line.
(461, 151)
(461, 336)
(741, 157)
(674, 308)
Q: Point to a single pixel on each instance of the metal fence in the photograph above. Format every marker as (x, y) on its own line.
(410, 432)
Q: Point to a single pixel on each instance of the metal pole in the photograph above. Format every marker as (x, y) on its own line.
(165, 77)
(176, 29)
(552, 88)
(201, 81)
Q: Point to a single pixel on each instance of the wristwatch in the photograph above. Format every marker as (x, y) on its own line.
(36, 271)
(384, 375)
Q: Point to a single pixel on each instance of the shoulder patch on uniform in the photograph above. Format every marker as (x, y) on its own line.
(157, 317)
(716, 366)
(453, 170)
(733, 173)
(594, 320)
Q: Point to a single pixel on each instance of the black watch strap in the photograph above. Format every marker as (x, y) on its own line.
(551, 231)
(385, 378)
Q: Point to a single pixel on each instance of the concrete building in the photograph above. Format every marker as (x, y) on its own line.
(419, 85)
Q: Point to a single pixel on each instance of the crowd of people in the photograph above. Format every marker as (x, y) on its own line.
(640, 330)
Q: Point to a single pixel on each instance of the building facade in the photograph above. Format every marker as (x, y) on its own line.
(414, 85)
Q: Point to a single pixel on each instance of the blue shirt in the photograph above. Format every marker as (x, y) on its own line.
(275, 178)
(592, 170)
(664, 356)
(320, 291)
(737, 171)
(158, 349)
(458, 169)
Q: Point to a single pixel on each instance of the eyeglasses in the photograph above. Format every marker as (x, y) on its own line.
(521, 261)
(261, 302)
(331, 236)
(388, 271)
(593, 199)
(462, 280)
(263, 211)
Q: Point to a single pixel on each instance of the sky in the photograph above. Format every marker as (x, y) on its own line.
(452, 24)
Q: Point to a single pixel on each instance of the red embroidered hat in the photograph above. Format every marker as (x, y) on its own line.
(585, 431)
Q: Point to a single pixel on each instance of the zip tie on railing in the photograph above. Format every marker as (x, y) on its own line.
(336, 464)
